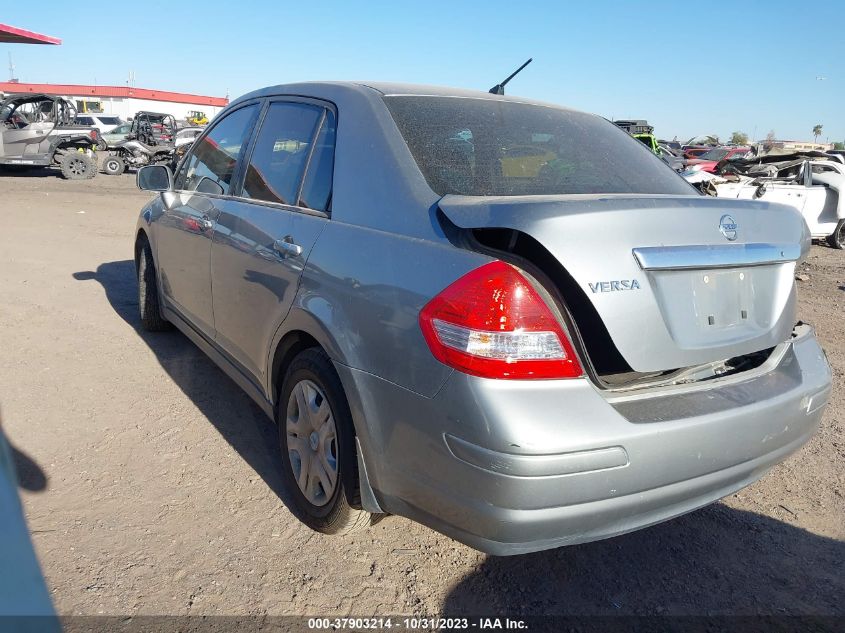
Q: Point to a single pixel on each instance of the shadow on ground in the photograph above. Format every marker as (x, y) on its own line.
(31, 476)
(717, 561)
(8, 171)
(238, 419)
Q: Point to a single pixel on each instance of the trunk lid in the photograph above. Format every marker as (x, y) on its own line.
(677, 280)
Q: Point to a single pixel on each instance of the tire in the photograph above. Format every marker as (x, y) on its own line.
(77, 166)
(149, 307)
(114, 166)
(102, 146)
(311, 382)
(837, 238)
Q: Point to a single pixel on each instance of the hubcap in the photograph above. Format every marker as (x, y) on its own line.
(77, 166)
(312, 442)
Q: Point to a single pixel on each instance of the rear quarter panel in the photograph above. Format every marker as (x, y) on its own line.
(360, 296)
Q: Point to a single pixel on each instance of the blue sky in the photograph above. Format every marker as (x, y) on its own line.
(688, 67)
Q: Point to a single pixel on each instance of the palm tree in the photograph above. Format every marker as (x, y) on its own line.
(817, 132)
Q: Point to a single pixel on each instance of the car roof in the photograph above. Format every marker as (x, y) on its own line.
(335, 89)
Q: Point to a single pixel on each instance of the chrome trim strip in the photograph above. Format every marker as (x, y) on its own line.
(715, 256)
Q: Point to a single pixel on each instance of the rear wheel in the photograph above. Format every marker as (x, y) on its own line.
(837, 238)
(77, 166)
(114, 166)
(317, 441)
(149, 307)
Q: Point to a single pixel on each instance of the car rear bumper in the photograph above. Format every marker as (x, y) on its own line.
(517, 466)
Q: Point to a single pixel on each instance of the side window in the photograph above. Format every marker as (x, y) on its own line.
(84, 120)
(281, 152)
(317, 188)
(211, 166)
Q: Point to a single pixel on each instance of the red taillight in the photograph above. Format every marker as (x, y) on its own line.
(93, 134)
(493, 323)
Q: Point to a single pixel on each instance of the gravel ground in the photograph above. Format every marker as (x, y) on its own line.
(150, 481)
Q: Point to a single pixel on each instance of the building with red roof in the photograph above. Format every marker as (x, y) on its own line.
(123, 101)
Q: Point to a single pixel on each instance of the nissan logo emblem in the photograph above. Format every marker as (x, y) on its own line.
(727, 225)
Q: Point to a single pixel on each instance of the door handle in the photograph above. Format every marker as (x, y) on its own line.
(286, 246)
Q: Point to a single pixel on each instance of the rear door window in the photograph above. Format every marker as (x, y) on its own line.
(283, 148)
(212, 164)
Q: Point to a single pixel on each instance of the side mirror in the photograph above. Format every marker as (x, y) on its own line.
(207, 185)
(155, 178)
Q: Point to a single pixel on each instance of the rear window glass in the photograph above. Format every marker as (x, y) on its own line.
(481, 147)
(110, 120)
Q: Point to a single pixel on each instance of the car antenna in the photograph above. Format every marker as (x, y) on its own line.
(499, 89)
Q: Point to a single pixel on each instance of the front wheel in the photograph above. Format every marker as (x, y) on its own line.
(837, 238)
(317, 442)
(149, 306)
(114, 166)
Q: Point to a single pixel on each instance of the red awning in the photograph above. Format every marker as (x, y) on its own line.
(14, 35)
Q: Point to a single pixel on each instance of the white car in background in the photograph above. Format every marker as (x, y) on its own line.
(188, 135)
(105, 123)
(815, 187)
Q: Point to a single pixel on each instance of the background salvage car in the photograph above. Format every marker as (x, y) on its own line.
(812, 183)
(426, 294)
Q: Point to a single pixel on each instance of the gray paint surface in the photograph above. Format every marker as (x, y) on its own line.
(365, 272)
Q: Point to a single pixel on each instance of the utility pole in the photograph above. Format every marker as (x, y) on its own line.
(11, 68)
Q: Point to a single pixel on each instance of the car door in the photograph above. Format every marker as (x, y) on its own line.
(185, 229)
(789, 188)
(264, 236)
(21, 138)
(821, 209)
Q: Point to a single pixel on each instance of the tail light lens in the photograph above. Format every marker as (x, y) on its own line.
(493, 323)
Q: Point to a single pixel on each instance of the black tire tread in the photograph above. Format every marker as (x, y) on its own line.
(837, 238)
(149, 308)
(345, 516)
(64, 163)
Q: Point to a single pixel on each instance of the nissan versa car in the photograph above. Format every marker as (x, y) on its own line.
(504, 319)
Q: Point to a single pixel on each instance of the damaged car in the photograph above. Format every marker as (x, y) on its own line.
(506, 320)
(39, 130)
(811, 182)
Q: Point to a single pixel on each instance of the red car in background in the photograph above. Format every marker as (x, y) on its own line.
(708, 160)
(694, 151)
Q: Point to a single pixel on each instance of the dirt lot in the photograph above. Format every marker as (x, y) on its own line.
(150, 486)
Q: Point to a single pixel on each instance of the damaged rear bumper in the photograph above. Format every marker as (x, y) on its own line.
(517, 466)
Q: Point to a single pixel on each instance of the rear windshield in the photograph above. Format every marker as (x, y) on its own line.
(110, 120)
(480, 147)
